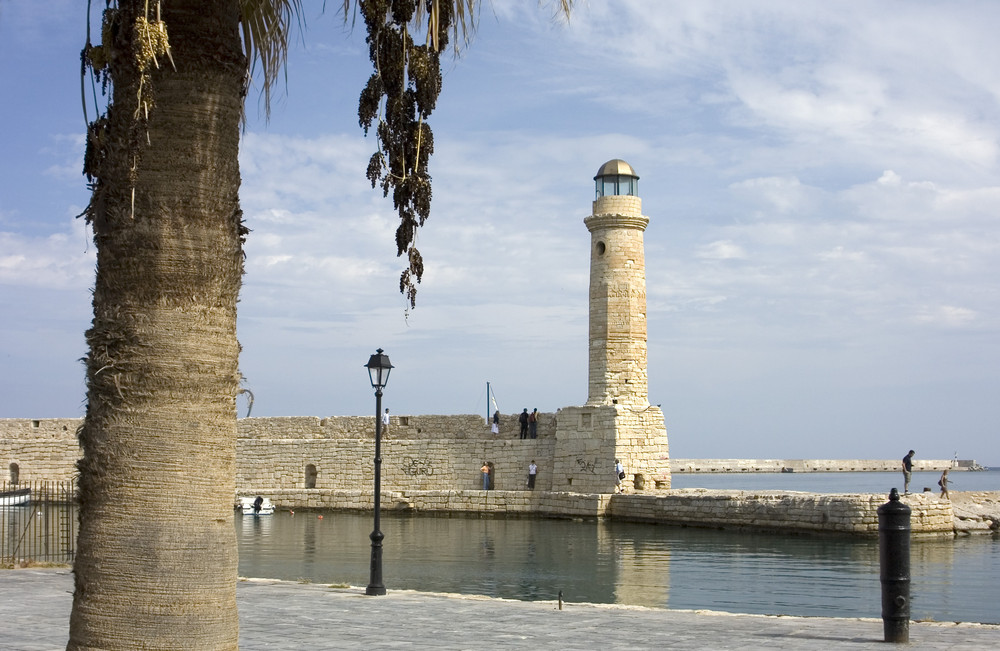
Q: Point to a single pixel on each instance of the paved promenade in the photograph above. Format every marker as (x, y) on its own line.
(35, 606)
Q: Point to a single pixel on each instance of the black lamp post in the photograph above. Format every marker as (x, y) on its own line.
(378, 372)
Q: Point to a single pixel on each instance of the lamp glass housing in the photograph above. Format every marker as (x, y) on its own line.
(378, 369)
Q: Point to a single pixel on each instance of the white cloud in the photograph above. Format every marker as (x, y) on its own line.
(784, 195)
(63, 260)
(820, 180)
(947, 315)
(722, 250)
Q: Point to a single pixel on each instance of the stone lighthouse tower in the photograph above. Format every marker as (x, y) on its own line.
(617, 290)
(617, 422)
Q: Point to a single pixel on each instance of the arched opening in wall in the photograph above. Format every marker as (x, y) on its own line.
(311, 475)
(15, 473)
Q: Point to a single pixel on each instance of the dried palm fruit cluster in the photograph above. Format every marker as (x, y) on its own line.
(131, 47)
(400, 94)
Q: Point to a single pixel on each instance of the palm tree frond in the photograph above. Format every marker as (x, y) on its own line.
(267, 26)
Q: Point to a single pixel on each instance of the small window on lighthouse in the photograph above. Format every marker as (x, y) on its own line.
(601, 248)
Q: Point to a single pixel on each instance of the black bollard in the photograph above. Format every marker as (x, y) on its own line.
(894, 567)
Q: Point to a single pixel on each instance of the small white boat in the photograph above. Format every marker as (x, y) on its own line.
(256, 505)
(16, 497)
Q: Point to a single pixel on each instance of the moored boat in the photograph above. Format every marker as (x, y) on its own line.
(256, 505)
(17, 497)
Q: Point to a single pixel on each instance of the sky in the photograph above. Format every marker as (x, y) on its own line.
(822, 259)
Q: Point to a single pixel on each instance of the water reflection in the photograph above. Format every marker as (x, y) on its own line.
(625, 563)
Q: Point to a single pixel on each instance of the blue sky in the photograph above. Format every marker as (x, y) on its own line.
(822, 254)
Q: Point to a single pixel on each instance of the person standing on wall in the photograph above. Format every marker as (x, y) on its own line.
(495, 427)
(533, 423)
(486, 475)
(532, 473)
(385, 422)
(523, 420)
(907, 471)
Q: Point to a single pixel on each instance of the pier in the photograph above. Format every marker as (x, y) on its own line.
(817, 465)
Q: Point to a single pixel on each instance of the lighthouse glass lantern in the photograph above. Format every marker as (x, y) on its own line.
(616, 177)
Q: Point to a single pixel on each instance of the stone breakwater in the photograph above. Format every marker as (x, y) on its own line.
(976, 511)
(493, 502)
(781, 511)
(708, 466)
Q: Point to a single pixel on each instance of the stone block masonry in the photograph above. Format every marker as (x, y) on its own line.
(781, 511)
(419, 452)
(636, 436)
(431, 463)
(347, 464)
(776, 511)
(43, 449)
(617, 325)
(806, 513)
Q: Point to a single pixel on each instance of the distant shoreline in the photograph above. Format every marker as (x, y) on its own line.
(709, 466)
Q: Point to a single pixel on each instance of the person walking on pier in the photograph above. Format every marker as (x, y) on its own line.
(943, 483)
(907, 471)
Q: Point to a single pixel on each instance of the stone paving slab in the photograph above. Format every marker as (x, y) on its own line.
(35, 606)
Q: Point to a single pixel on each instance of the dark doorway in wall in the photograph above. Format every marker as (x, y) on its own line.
(311, 473)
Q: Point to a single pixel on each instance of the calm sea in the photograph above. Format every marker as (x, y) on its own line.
(639, 564)
(837, 482)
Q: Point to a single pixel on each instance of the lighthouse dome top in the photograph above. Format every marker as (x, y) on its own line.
(616, 177)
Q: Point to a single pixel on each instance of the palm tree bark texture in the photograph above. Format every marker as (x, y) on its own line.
(156, 563)
(156, 566)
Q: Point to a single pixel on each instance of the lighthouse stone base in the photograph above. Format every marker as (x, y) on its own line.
(590, 438)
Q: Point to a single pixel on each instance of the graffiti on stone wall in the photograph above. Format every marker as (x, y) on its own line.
(414, 467)
(587, 465)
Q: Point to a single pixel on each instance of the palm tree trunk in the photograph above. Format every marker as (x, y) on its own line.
(156, 561)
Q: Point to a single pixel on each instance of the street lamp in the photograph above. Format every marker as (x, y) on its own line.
(378, 372)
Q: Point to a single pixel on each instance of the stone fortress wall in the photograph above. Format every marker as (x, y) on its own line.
(336, 453)
(38, 450)
(431, 463)
(420, 453)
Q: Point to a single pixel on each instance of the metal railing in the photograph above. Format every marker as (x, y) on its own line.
(38, 522)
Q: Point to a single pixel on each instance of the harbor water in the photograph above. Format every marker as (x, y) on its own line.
(837, 482)
(659, 566)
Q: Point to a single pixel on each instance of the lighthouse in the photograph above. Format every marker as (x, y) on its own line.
(617, 422)
(617, 370)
